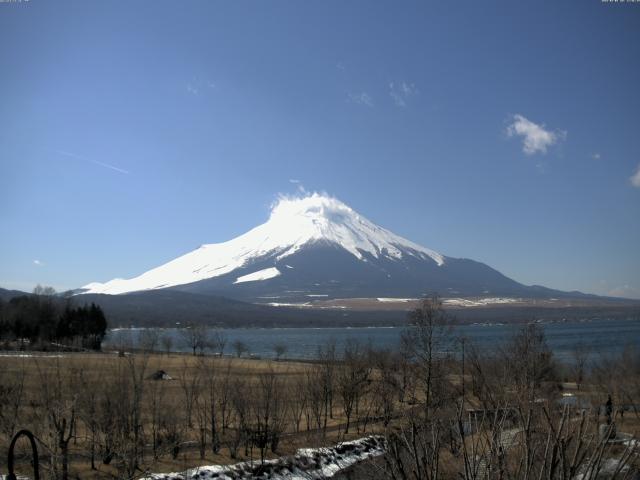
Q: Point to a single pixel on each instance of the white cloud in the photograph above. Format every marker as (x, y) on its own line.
(362, 98)
(535, 138)
(596, 156)
(38, 263)
(635, 178)
(401, 92)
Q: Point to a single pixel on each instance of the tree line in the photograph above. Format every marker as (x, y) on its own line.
(45, 321)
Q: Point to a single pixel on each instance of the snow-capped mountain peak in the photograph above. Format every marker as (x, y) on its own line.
(323, 218)
(294, 223)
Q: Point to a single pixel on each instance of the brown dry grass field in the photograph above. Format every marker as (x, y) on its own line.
(78, 376)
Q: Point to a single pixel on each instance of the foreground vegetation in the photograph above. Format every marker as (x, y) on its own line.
(463, 414)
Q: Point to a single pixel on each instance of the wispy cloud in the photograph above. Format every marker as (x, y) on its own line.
(198, 86)
(299, 185)
(362, 98)
(69, 154)
(192, 89)
(596, 156)
(401, 93)
(38, 263)
(635, 178)
(535, 137)
(95, 162)
(112, 167)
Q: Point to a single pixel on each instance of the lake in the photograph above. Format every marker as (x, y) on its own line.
(602, 336)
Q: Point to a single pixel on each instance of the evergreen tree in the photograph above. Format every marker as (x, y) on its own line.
(44, 317)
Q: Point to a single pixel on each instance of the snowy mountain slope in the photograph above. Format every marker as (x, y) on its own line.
(293, 224)
(317, 246)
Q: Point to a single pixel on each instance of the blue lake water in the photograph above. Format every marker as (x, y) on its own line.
(603, 337)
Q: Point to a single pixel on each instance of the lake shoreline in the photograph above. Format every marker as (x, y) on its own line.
(602, 336)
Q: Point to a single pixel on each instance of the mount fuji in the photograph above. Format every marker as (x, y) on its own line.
(317, 248)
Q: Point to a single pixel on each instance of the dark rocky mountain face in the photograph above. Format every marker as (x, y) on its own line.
(325, 270)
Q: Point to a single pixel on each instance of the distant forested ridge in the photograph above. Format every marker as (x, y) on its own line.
(45, 320)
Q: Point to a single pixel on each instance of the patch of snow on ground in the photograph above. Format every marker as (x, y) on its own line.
(307, 305)
(307, 463)
(478, 302)
(392, 300)
(278, 304)
(29, 355)
(607, 469)
(265, 274)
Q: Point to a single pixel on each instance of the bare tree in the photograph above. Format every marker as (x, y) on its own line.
(240, 403)
(12, 390)
(426, 339)
(218, 342)
(327, 360)
(541, 444)
(415, 445)
(267, 413)
(123, 421)
(240, 348)
(580, 353)
(279, 349)
(316, 395)
(167, 342)
(149, 339)
(385, 389)
(59, 411)
(529, 362)
(88, 404)
(157, 405)
(298, 400)
(223, 395)
(172, 431)
(352, 377)
(202, 405)
(195, 337)
(189, 379)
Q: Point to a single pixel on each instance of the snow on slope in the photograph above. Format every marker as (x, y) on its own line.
(293, 223)
(265, 274)
(306, 464)
(478, 302)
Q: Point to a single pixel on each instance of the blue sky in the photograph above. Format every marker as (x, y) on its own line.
(506, 132)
